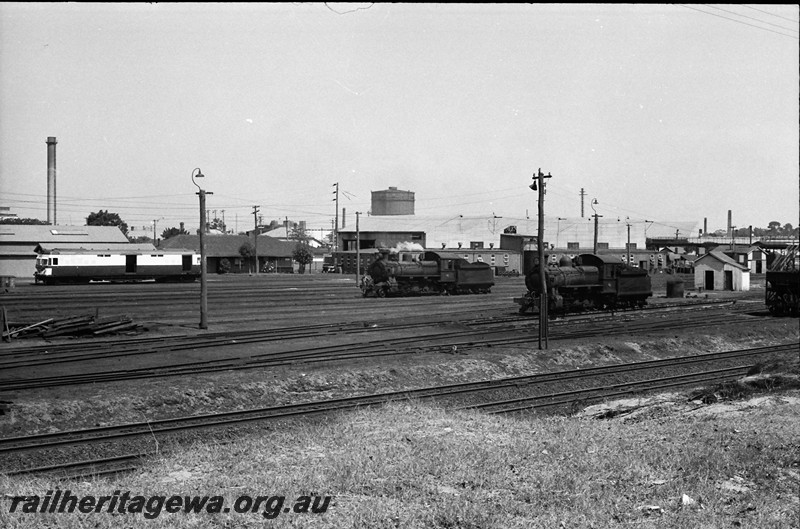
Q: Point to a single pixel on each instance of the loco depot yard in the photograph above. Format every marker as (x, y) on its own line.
(432, 411)
(399, 266)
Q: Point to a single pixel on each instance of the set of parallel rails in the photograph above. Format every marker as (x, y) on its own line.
(459, 339)
(55, 351)
(542, 398)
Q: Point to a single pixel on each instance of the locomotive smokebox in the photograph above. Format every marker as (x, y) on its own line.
(51, 180)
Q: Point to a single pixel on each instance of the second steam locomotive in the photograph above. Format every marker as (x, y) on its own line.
(587, 282)
(409, 273)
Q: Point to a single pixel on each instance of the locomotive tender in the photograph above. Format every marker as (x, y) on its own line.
(82, 266)
(407, 273)
(783, 284)
(589, 281)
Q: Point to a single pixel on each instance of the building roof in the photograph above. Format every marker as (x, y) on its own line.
(450, 230)
(39, 233)
(21, 240)
(228, 245)
(736, 248)
(719, 256)
(78, 247)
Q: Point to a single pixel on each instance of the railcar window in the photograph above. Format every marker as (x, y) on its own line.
(55, 261)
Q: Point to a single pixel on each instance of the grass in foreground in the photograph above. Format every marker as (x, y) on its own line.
(411, 465)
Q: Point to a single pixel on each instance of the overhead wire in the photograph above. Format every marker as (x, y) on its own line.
(750, 18)
(737, 21)
(768, 13)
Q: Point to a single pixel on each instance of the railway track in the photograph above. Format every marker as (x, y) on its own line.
(265, 298)
(481, 332)
(505, 395)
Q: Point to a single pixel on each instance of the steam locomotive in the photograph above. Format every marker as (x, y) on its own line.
(409, 273)
(587, 282)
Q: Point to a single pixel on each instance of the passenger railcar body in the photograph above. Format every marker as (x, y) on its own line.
(588, 282)
(82, 266)
(409, 273)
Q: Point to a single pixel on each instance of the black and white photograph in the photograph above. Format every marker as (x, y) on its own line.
(399, 265)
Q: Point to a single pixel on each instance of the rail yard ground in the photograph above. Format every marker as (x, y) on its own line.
(697, 455)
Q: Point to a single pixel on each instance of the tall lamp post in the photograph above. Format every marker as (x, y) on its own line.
(628, 223)
(203, 267)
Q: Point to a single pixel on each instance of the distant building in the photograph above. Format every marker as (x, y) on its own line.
(572, 234)
(751, 256)
(18, 243)
(273, 254)
(392, 201)
(717, 271)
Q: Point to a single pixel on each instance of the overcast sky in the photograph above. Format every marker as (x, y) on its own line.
(664, 112)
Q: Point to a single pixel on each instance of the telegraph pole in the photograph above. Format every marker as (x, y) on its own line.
(358, 251)
(255, 235)
(596, 216)
(336, 218)
(540, 246)
(583, 194)
(336, 227)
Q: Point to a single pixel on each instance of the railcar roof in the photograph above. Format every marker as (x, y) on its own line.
(124, 249)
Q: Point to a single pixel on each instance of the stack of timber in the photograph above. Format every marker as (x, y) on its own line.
(73, 326)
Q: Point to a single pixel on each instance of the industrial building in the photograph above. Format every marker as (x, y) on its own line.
(19, 241)
(392, 201)
(489, 232)
(272, 254)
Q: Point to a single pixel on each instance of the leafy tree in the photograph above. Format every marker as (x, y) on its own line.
(172, 232)
(224, 266)
(15, 220)
(106, 218)
(299, 234)
(247, 251)
(302, 254)
(217, 224)
(141, 239)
